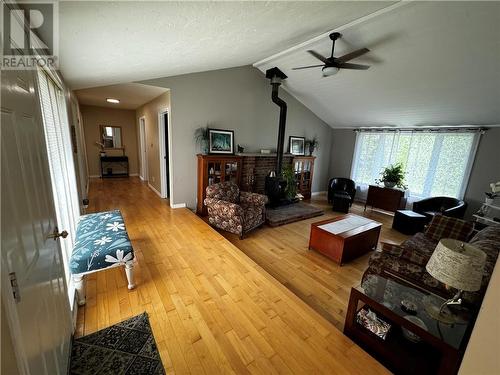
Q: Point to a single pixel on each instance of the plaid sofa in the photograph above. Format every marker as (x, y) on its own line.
(408, 259)
(234, 211)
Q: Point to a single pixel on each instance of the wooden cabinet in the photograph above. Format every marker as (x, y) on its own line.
(385, 198)
(213, 169)
(304, 167)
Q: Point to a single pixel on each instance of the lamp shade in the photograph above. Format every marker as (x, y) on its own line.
(457, 264)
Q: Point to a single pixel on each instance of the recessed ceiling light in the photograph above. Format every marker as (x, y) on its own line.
(111, 100)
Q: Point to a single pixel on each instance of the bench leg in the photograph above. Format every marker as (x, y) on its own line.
(79, 281)
(129, 271)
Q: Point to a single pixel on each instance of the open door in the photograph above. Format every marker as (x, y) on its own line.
(34, 290)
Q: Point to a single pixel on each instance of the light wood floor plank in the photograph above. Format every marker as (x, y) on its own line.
(216, 308)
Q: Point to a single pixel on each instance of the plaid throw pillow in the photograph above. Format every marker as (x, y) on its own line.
(449, 227)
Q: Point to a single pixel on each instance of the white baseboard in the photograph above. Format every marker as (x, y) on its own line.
(98, 176)
(314, 193)
(94, 176)
(154, 189)
(134, 175)
(178, 205)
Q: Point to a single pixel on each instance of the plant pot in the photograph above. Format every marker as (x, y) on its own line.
(488, 200)
(389, 184)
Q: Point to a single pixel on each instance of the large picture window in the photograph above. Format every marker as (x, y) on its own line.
(437, 163)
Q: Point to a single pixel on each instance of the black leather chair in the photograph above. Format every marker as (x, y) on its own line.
(446, 206)
(341, 192)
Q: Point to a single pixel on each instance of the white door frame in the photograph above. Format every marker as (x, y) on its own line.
(143, 149)
(163, 165)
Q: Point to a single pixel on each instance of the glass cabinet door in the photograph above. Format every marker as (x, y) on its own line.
(231, 171)
(214, 172)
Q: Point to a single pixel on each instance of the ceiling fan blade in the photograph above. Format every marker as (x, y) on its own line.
(352, 66)
(318, 56)
(307, 67)
(352, 55)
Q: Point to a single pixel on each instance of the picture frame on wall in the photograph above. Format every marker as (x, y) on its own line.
(297, 145)
(220, 141)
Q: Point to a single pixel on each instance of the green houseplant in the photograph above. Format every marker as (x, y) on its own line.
(201, 138)
(288, 175)
(393, 176)
(312, 145)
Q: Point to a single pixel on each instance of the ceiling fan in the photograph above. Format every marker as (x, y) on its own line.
(331, 65)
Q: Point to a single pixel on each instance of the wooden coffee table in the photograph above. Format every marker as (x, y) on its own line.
(345, 237)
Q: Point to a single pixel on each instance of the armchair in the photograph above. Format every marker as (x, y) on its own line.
(341, 185)
(234, 211)
(446, 206)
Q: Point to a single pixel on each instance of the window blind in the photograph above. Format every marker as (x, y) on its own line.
(58, 141)
(436, 163)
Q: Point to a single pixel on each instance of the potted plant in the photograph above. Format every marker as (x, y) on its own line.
(201, 138)
(393, 176)
(312, 144)
(288, 174)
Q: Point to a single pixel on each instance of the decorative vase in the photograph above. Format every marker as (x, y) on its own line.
(389, 184)
(488, 200)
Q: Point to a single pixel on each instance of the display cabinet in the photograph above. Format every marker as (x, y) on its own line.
(304, 168)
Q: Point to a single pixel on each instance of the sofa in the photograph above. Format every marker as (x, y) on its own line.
(408, 260)
(234, 211)
(446, 206)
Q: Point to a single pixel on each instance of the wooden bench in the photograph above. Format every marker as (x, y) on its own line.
(102, 242)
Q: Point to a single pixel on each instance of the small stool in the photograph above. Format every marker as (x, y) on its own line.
(409, 222)
(101, 242)
(341, 202)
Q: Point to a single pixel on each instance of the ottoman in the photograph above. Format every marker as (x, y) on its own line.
(341, 202)
(409, 222)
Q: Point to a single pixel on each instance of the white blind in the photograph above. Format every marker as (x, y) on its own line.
(436, 163)
(57, 135)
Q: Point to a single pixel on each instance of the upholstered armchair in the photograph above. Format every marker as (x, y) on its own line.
(446, 206)
(234, 211)
(341, 185)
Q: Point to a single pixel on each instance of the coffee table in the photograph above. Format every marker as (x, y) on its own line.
(345, 237)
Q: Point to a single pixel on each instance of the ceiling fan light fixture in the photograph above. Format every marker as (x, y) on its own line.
(329, 71)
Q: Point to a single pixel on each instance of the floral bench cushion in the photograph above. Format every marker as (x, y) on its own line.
(101, 242)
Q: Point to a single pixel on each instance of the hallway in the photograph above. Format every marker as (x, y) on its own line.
(212, 309)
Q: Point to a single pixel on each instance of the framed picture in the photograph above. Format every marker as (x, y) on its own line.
(220, 141)
(297, 145)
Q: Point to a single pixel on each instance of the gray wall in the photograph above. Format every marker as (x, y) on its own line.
(486, 168)
(237, 99)
(342, 151)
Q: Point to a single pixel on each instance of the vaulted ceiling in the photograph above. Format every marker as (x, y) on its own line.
(432, 63)
(104, 43)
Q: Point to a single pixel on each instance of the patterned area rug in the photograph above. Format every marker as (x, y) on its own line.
(290, 213)
(125, 348)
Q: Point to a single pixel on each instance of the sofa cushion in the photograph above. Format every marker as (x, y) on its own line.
(449, 227)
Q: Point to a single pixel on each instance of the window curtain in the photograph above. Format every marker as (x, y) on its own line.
(58, 141)
(437, 163)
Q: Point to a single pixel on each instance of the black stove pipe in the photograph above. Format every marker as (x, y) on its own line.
(276, 75)
(282, 124)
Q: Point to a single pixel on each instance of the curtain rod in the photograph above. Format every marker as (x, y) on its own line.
(423, 130)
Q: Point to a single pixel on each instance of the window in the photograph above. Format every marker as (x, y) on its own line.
(58, 139)
(437, 163)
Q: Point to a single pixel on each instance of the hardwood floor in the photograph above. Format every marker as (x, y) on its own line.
(212, 309)
(325, 286)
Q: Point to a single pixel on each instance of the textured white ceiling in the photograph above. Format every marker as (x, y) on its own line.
(131, 95)
(103, 43)
(432, 63)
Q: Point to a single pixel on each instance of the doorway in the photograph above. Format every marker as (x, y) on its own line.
(142, 149)
(164, 132)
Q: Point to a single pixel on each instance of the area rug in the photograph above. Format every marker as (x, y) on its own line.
(291, 213)
(126, 348)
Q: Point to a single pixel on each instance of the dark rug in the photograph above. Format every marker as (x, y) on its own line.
(125, 348)
(291, 213)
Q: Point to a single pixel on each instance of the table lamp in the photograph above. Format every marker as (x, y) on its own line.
(457, 265)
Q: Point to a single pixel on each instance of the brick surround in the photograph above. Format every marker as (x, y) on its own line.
(255, 168)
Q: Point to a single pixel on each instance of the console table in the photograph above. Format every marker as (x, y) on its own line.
(109, 164)
(387, 199)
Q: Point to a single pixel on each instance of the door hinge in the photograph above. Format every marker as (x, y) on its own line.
(15, 287)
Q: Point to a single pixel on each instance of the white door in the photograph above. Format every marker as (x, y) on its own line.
(142, 149)
(40, 321)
